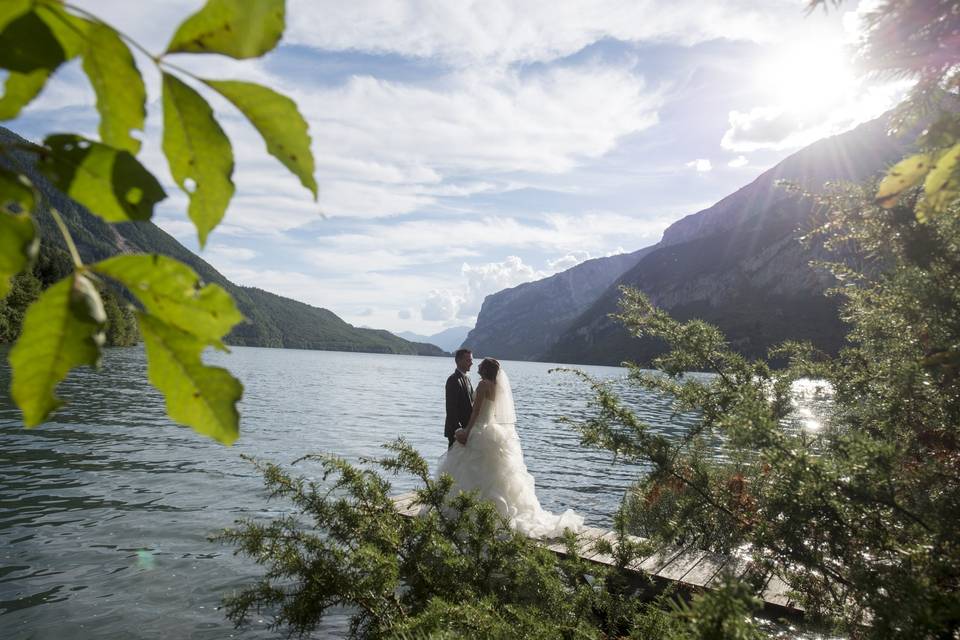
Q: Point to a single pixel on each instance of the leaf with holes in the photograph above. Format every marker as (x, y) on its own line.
(121, 95)
(109, 182)
(942, 184)
(901, 177)
(11, 10)
(202, 397)
(279, 122)
(69, 30)
(199, 154)
(62, 329)
(19, 242)
(235, 28)
(19, 89)
(27, 44)
(172, 291)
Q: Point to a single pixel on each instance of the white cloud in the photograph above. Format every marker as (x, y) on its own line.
(739, 161)
(567, 261)
(441, 305)
(390, 148)
(479, 281)
(702, 165)
(503, 32)
(484, 279)
(380, 247)
(228, 253)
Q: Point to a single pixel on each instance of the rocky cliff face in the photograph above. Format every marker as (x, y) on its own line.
(525, 321)
(738, 264)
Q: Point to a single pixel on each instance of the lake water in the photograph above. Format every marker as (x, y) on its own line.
(105, 511)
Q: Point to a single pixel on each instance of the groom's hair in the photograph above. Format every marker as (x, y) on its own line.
(489, 369)
(460, 353)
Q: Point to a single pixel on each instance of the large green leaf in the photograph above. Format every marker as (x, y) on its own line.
(279, 122)
(121, 95)
(19, 89)
(18, 245)
(172, 291)
(199, 153)
(902, 176)
(11, 9)
(18, 236)
(109, 182)
(235, 28)
(63, 329)
(942, 183)
(27, 43)
(69, 31)
(16, 195)
(197, 395)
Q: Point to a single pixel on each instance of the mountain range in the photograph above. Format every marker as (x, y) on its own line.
(271, 320)
(738, 264)
(449, 339)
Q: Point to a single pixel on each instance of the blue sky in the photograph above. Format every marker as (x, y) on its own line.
(465, 147)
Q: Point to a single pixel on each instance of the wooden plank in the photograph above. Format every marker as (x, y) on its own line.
(710, 564)
(585, 541)
(658, 560)
(776, 592)
(593, 555)
(403, 499)
(686, 565)
(736, 565)
(404, 504)
(680, 565)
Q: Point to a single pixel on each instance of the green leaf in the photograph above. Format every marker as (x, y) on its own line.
(19, 89)
(941, 185)
(63, 329)
(18, 236)
(279, 122)
(69, 30)
(18, 246)
(27, 43)
(15, 190)
(901, 177)
(199, 154)
(197, 395)
(235, 28)
(121, 95)
(11, 9)
(109, 182)
(172, 291)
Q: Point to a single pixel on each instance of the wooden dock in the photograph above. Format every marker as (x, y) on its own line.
(692, 568)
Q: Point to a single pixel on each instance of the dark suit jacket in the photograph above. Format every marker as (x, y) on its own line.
(459, 394)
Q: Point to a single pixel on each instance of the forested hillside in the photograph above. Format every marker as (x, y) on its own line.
(272, 320)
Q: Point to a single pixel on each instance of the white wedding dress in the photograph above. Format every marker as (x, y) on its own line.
(492, 463)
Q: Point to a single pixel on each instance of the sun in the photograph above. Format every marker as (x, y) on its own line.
(807, 80)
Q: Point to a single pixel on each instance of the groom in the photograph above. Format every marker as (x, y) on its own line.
(459, 392)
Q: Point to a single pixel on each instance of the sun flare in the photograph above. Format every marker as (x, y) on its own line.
(808, 80)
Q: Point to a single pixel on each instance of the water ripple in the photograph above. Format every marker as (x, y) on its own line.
(105, 511)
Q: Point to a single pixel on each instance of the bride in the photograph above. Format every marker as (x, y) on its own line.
(487, 458)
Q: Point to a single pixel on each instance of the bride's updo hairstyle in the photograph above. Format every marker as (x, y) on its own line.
(489, 369)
